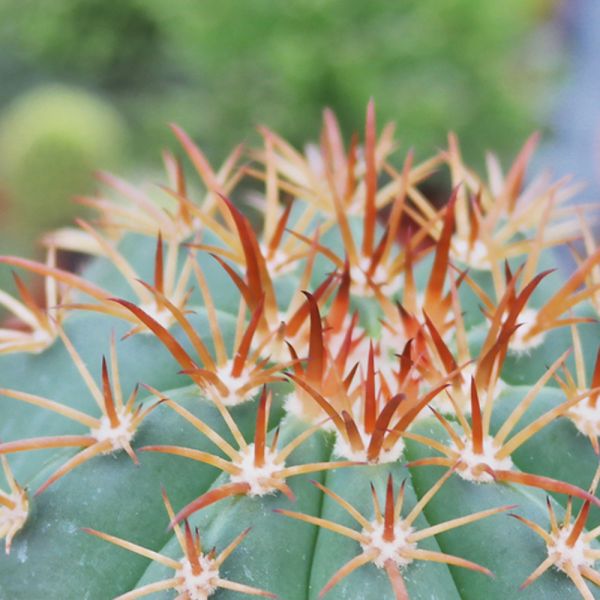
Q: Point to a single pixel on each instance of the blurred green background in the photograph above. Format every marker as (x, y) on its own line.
(91, 84)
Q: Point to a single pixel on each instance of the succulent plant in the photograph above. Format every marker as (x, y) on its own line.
(357, 395)
(60, 125)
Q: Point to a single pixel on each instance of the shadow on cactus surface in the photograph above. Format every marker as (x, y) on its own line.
(328, 403)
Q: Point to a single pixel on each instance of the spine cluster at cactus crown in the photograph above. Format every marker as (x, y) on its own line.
(327, 388)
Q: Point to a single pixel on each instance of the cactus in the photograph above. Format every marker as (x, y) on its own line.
(58, 125)
(359, 396)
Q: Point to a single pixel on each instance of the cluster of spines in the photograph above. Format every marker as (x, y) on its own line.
(344, 378)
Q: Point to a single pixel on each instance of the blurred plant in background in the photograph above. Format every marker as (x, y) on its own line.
(51, 139)
(217, 66)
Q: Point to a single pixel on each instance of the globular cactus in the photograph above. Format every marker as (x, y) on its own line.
(357, 396)
(57, 125)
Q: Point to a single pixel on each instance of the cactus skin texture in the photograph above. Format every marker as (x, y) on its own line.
(361, 396)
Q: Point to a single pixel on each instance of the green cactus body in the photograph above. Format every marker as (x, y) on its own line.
(326, 405)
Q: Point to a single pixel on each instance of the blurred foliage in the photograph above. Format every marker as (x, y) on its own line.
(218, 68)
